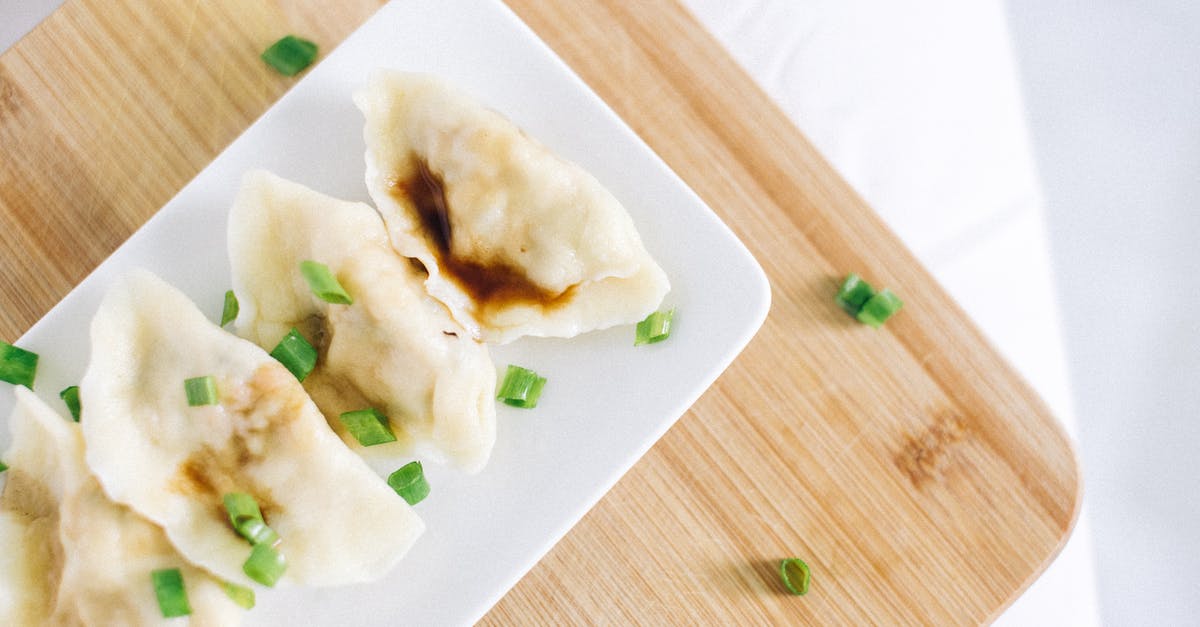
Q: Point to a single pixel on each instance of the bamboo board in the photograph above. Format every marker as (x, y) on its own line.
(912, 469)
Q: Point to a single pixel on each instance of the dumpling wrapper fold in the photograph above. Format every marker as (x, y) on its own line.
(517, 241)
(70, 555)
(172, 463)
(394, 348)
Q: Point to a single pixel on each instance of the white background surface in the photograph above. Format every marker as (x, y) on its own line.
(919, 106)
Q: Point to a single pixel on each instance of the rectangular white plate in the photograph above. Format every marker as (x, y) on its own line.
(606, 403)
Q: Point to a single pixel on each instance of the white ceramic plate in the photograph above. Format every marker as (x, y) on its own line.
(606, 402)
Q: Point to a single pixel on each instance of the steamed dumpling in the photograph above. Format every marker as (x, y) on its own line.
(394, 349)
(172, 463)
(516, 240)
(43, 469)
(70, 556)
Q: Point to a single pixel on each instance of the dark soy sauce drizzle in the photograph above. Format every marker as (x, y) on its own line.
(491, 284)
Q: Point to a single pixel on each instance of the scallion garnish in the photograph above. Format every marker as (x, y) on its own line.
(172, 596)
(3, 466)
(879, 308)
(265, 565)
(70, 396)
(17, 365)
(241, 595)
(795, 575)
(290, 55)
(861, 300)
(368, 426)
(409, 482)
(324, 284)
(521, 387)
(853, 293)
(655, 328)
(201, 391)
(296, 354)
(230, 311)
(247, 519)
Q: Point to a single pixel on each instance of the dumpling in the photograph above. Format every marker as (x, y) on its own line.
(516, 240)
(394, 349)
(70, 555)
(42, 470)
(173, 463)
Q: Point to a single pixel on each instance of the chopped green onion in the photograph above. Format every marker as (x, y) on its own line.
(70, 396)
(17, 365)
(655, 328)
(265, 565)
(241, 595)
(521, 387)
(290, 55)
(247, 519)
(879, 308)
(368, 426)
(172, 596)
(409, 482)
(795, 575)
(296, 354)
(853, 293)
(230, 311)
(201, 391)
(3, 466)
(322, 283)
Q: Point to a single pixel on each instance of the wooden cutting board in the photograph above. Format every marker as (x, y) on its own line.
(921, 479)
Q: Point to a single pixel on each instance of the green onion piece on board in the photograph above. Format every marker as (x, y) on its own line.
(70, 396)
(368, 426)
(201, 391)
(879, 308)
(290, 55)
(521, 387)
(409, 482)
(241, 595)
(3, 466)
(247, 519)
(172, 596)
(322, 283)
(655, 328)
(853, 293)
(795, 575)
(265, 565)
(296, 354)
(17, 365)
(230, 311)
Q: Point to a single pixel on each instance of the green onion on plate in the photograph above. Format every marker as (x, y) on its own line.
(409, 482)
(17, 365)
(655, 328)
(521, 387)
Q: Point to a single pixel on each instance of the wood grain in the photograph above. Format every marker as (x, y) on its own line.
(912, 469)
